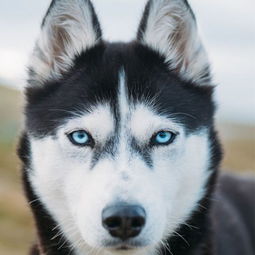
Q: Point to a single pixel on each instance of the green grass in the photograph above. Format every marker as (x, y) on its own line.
(16, 225)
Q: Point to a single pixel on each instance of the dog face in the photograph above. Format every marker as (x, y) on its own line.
(119, 133)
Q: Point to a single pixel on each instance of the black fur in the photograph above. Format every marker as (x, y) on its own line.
(221, 225)
(83, 87)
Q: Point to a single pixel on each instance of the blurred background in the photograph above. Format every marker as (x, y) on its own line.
(228, 31)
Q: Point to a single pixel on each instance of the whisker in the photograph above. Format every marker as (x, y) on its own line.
(182, 238)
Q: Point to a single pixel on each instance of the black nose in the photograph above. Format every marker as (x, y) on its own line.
(124, 221)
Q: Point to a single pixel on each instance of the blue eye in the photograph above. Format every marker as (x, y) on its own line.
(80, 138)
(163, 138)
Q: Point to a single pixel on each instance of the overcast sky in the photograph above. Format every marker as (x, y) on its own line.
(227, 28)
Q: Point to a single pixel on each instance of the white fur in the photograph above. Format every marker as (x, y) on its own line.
(68, 30)
(172, 31)
(75, 194)
(124, 110)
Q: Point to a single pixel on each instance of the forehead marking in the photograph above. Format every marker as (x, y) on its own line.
(127, 144)
(118, 143)
(122, 97)
(124, 112)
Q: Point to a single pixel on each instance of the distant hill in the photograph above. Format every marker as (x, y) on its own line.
(11, 107)
(14, 213)
(238, 139)
(239, 146)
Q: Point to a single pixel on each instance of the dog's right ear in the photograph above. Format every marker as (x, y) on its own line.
(69, 28)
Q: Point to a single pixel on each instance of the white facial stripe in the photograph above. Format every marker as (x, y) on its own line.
(124, 112)
(124, 106)
(145, 122)
(92, 123)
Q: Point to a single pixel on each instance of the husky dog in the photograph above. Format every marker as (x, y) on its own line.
(120, 154)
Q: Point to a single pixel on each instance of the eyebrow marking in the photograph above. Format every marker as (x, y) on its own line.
(109, 149)
(143, 151)
(126, 143)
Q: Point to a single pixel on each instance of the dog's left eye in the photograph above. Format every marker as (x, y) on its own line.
(80, 138)
(163, 138)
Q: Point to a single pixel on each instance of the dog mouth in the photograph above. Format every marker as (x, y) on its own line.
(125, 246)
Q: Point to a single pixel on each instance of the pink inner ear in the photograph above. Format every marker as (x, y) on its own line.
(169, 28)
(66, 31)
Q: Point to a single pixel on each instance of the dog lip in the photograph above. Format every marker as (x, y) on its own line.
(124, 245)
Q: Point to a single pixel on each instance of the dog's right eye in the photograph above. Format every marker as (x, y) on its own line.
(81, 138)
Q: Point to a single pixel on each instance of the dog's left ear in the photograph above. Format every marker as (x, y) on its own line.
(69, 28)
(169, 27)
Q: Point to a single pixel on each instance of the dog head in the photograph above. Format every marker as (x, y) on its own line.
(120, 134)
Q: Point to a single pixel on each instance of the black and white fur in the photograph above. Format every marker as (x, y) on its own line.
(122, 94)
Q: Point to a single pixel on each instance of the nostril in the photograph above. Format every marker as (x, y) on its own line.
(138, 222)
(112, 222)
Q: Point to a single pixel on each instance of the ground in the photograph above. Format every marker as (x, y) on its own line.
(16, 231)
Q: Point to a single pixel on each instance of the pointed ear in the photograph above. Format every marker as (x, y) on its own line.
(169, 27)
(68, 28)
